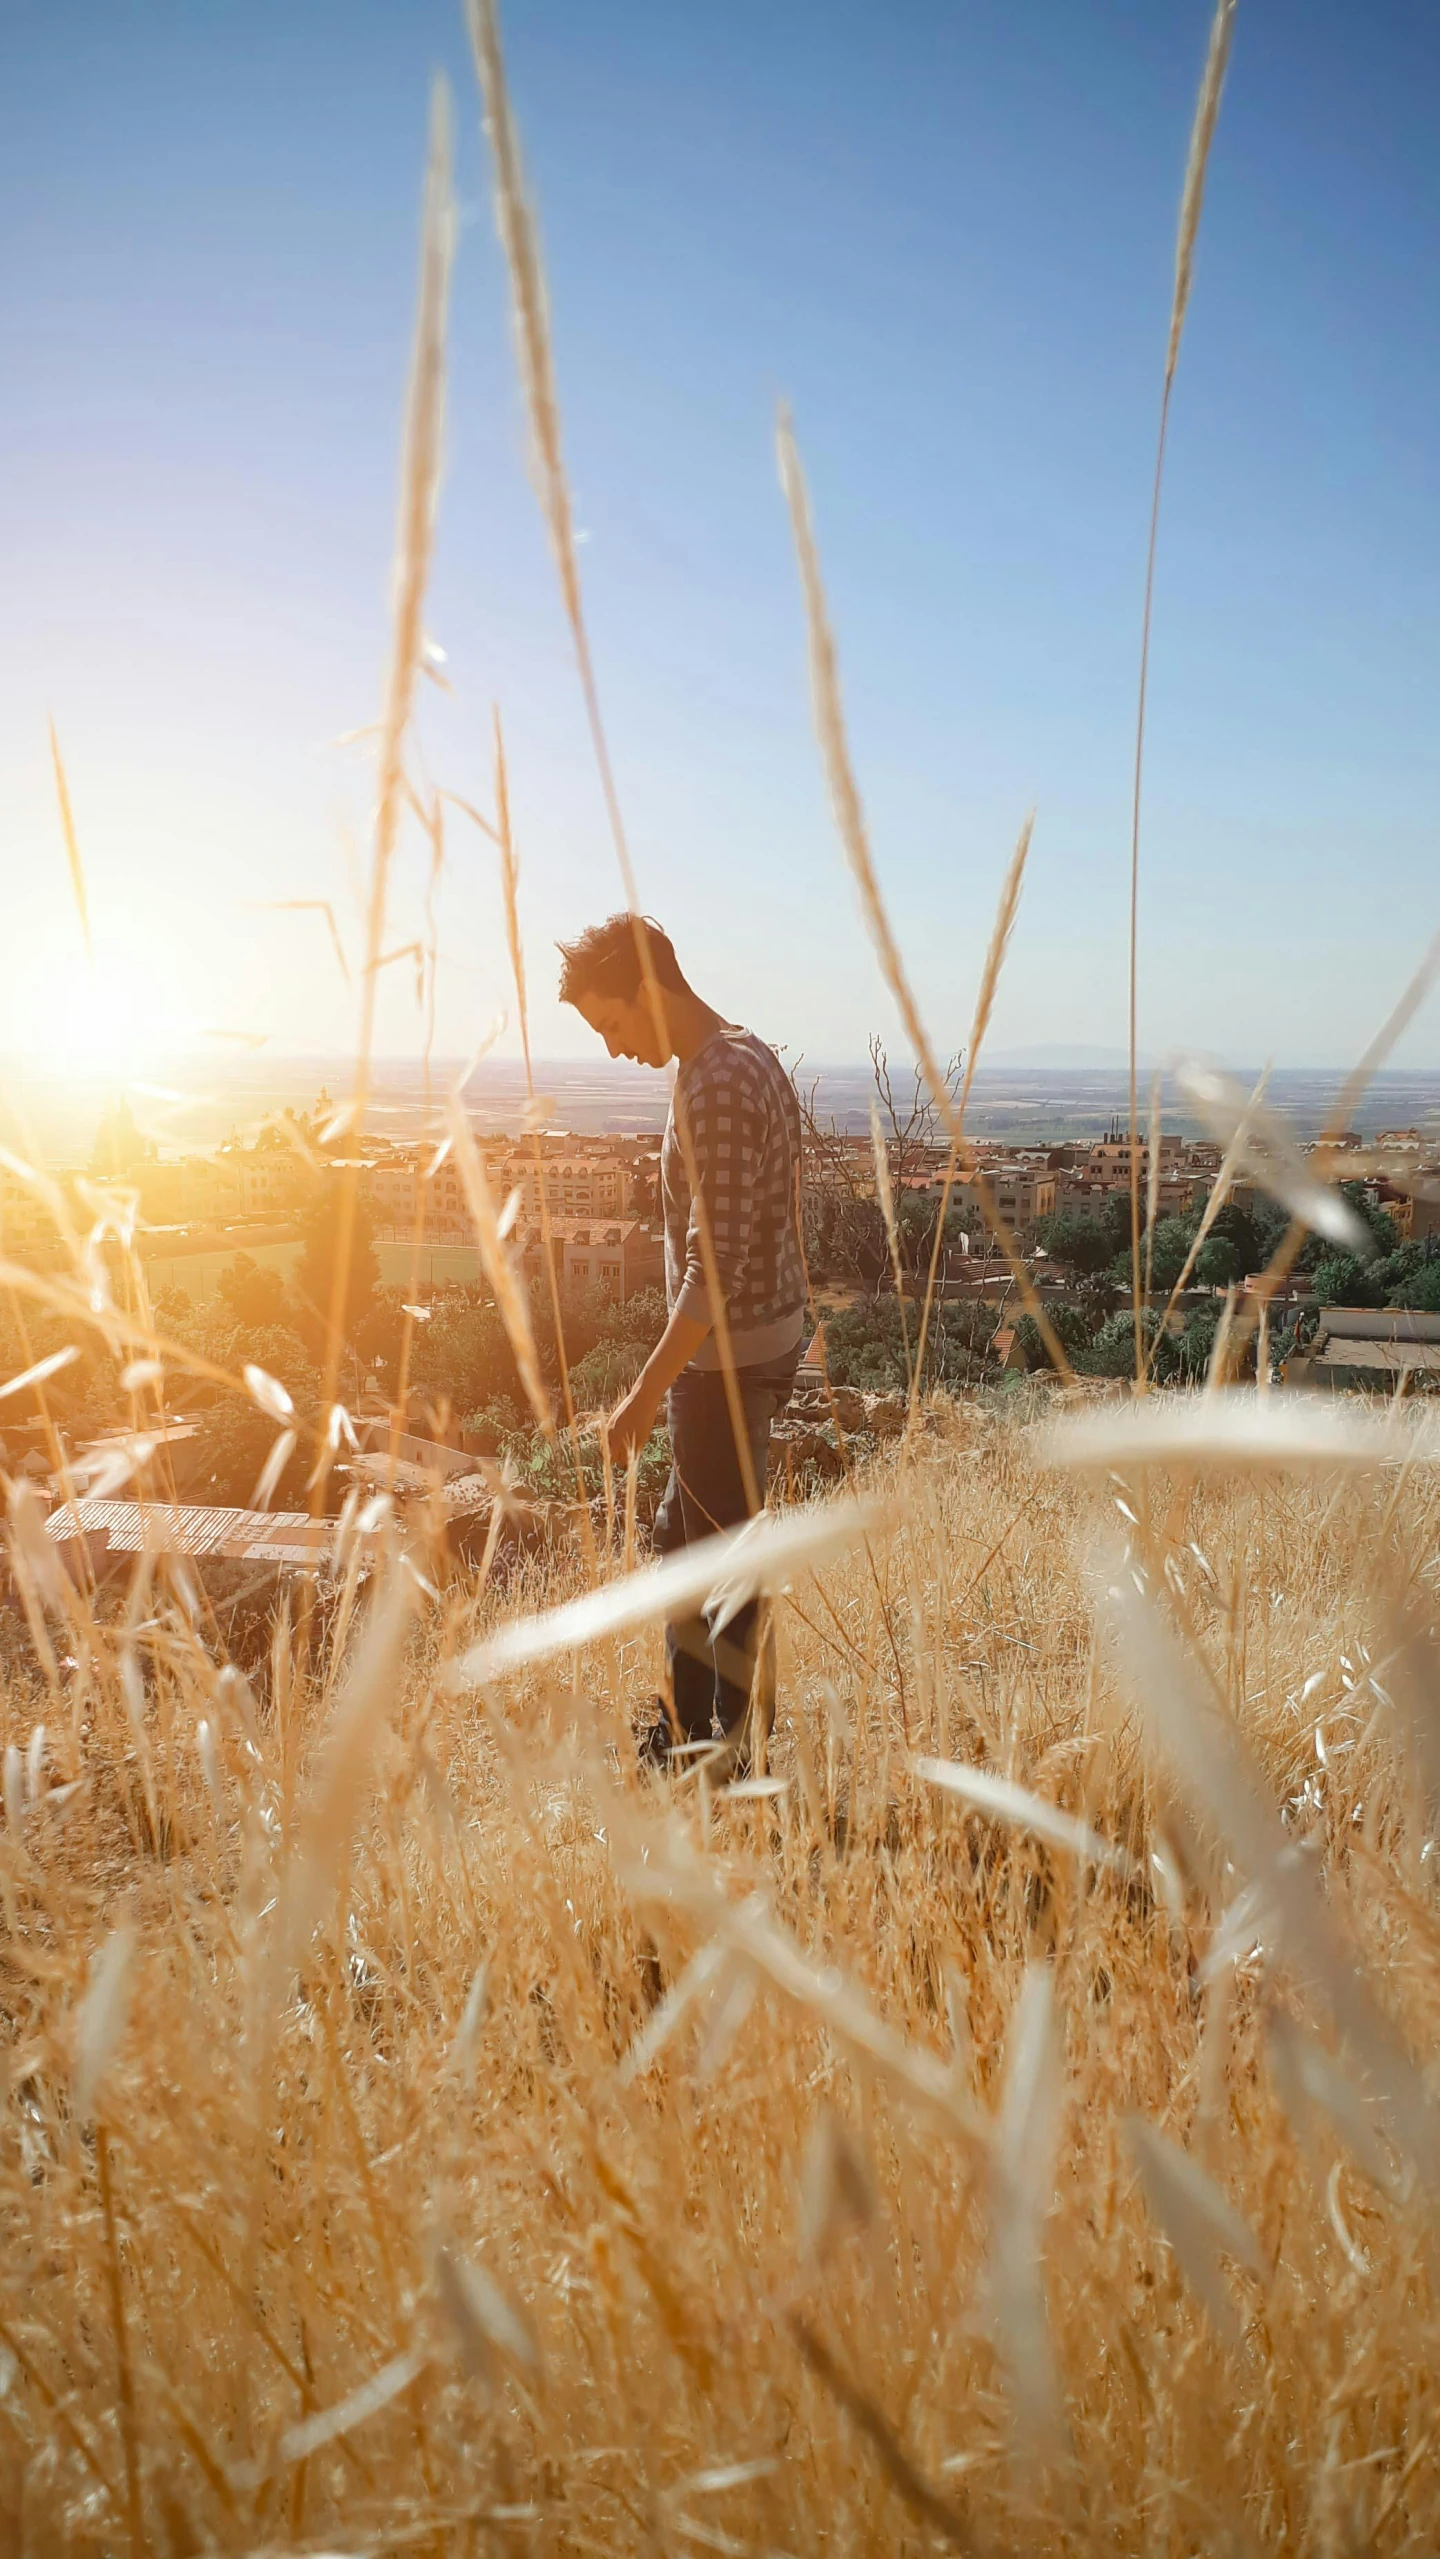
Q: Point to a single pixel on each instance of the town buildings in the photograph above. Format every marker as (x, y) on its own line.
(559, 1179)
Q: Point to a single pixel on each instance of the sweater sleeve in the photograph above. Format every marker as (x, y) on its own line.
(724, 1119)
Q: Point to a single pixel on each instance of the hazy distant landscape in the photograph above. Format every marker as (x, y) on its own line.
(58, 1114)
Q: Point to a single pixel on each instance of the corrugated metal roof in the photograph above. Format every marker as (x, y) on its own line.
(1380, 1324)
(177, 1528)
(1349, 1351)
(392, 1474)
(159, 1434)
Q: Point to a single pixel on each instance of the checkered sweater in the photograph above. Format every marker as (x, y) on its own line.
(738, 1105)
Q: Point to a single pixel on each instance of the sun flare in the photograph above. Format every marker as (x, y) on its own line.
(107, 1021)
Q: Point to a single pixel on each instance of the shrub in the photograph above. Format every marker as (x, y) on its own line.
(605, 1374)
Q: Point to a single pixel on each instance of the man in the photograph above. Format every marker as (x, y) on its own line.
(734, 1116)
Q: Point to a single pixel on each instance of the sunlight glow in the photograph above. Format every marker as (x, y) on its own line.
(109, 1020)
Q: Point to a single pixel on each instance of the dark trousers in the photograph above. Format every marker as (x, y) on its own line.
(712, 1682)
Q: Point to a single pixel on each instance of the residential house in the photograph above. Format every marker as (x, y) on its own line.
(621, 1256)
(1375, 1347)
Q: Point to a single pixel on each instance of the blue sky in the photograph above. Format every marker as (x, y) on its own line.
(945, 233)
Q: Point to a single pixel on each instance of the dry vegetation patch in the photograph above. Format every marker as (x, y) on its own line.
(590, 2162)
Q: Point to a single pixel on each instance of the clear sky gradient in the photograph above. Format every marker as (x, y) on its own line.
(945, 233)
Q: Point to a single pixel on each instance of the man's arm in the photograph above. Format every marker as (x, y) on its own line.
(634, 1419)
(724, 1144)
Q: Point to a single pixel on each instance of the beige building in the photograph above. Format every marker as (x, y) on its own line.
(570, 1185)
(1080, 1194)
(574, 1185)
(24, 1218)
(273, 1181)
(188, 1190)
(618, 1255)
(1013, 1191)
(388, 1187)
(1108, 1161)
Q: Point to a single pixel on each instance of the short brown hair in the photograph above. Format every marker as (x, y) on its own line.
(605, 960)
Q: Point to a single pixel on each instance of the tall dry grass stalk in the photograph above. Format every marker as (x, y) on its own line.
(1152, 1180)
(849, 815)
(422, 454)
(510, 899)
(995, 958)
(884, 1193)
(501, 1272)
(519, 239)
(1192, 199)
(73, 862)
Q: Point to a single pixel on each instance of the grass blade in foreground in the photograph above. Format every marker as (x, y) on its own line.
(1272, 1159)
(1023, 2179)
(1238, 1429)
(726, 1571)
(1197, 2219)
(1002, 1798)
(1214, 1763)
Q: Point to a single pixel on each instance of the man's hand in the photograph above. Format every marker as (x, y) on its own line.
(632, 1422)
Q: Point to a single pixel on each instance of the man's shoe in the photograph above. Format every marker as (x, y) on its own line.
(655, 1746)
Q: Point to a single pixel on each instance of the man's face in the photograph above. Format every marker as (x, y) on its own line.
(626, 1024)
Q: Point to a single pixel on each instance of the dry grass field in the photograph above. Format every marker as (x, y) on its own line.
(420, 2132)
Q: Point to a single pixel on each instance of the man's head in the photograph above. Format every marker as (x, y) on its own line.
(603, 978)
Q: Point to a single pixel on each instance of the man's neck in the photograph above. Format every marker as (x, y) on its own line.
(691, 1023)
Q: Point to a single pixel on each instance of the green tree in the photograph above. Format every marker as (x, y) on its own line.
(1070, 1329)
(1423, 1291)
(236, 1438)
(1086, 1244)
(1112, 1351)
(1196, 1343)
(1341, 1280)
(380, 1331)
(1219, 1262)
(607, 1371)
(321, 1223)
(1170, 1248)
(1238, 1227)
(254, 1294)
(1384, 1232)
(463, 1353)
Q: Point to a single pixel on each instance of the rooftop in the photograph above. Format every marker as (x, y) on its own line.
(178, 1528)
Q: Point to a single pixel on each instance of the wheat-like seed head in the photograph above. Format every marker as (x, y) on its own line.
(1202, 135)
